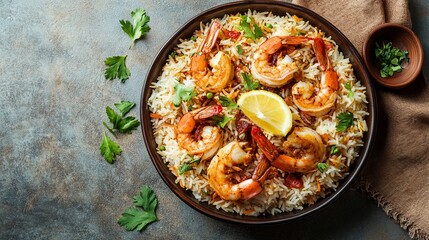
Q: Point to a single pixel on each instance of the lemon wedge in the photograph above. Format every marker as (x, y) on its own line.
(267, 110)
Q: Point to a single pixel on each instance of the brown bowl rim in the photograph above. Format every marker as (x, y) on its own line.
(259, 5)
(375, 75)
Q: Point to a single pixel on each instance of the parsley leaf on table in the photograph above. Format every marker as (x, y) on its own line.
(248, 82)
(134, 218)
(116, 68)
(139, 28)
(126, 125)
(109, 149)
(345, 121)
(123, 125)
(114, 118)
(246, 25)
(137, 219)
(124, 107)
(146, 199)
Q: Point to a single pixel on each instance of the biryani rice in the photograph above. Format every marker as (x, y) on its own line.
(276, 197)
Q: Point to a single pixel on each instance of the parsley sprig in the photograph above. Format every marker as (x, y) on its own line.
(108, 148)
(124, 107)
(116, 68)
(120, 123)
(139, 27)
(144, 212)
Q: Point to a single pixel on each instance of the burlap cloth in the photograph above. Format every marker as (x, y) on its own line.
(397, 173)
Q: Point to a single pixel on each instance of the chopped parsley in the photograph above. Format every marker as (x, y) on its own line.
(248, 83)
(226, 102)
(250, 28)
(390, 58)
(195, 159)
(348, 86)
(182, 93)
(221, 120)
(269, 25)
(345, 120)
(239, 49)
(334, 150)
(321, 167)
(184, 168)
(172, 54)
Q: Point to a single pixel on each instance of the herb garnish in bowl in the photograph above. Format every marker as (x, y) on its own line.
(390, 58)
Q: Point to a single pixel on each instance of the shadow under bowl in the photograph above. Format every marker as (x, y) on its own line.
(278, 8)
(401, 37)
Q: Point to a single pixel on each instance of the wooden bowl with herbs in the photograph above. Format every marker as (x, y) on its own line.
(393, 54)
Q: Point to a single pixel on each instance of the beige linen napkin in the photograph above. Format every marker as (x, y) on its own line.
(397, 173)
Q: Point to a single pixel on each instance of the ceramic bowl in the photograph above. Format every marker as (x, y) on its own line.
(402, 38)
(279, 8)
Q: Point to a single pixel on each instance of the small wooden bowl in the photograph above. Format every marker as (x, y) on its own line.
(402, 38)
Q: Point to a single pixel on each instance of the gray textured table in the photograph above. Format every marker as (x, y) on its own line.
(55, 185)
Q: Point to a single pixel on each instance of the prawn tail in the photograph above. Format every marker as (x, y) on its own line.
(284, 163)
(294, 40)
(319, 50)
(248, 189)
(264, 144)
(207, 112)
(211, 38)
(331, 79)
(261, 168)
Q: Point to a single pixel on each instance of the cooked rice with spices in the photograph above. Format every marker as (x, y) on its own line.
(186, 152)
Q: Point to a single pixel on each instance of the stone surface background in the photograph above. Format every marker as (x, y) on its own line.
(55, 185)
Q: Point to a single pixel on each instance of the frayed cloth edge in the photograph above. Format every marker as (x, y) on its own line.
(413, 231)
